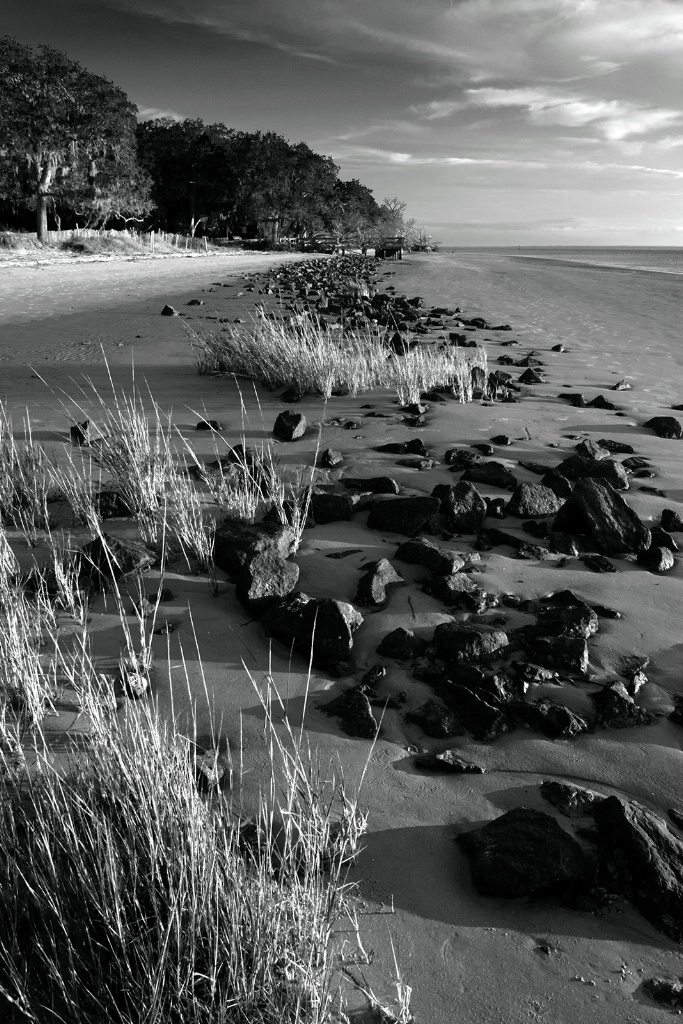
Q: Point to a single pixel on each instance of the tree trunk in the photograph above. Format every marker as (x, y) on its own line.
(41, 217)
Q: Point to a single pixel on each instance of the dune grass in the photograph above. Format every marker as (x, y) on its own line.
(309, 359)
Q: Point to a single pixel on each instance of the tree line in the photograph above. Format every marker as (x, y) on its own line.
(72, 153)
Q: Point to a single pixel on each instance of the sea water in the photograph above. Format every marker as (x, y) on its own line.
(657, 259)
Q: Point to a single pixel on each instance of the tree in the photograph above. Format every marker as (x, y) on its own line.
(353, 212)
(58, 121)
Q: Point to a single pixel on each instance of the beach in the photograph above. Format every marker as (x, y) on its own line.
(468, 957)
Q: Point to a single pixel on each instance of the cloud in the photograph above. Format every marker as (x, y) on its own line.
(151, 113)
(613, 119)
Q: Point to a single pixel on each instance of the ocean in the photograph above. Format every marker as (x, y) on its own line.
(658, 260)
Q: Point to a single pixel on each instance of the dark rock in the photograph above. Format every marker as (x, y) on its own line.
(560, 652)
(355, 711)
(169, 311)
(416, 446)
(461, 458)
(572, 801)
(492, 473)
(558, 348)
(420, 464)
(577, 468)
(372, 586)
(299, 622)
(264, 579)
(454, 590)
(662, 539)
(636, 463)
(644, 860)
(577, 400)
(603, 612)
(459, 643)
(330, 458)
(373, 484)
(557, 483)
(676, 816)
(209, 425)
(522, 853)
(622, 385)
(462, 506)
(562, 543)
(616, 447)
(534, 551)
(533, 500)
(484, 720)
(236, 542)
(484, 449)
(290, 425)
(332, 508)
(671, 521)
(656, 559)
(616, 709)
(665, 426)
(402, 515)
(664, 992)
(436, 719)
(531, 376)
(495, 507)
(598, 563)
(502, 440)
(448, 761)
(111, 505)
(613, 524)
(79, 433)
(533, 467)
(556, 721)
(600, 402)
(402, 645)
(108, 559)
(572, 621)
(440, 561)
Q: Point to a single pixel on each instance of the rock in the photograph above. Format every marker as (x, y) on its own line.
(492, 473)
(460, 458)
(209, 425)
(79, 433)
(556, 721)
(459, 643)
(332, 508)
(436, 719)
(169, 311)
(622, 385)
(462, 506)
(671, 521)
(355, 711)
(616, 709)
(576, 399)
(644, 860)
(616, 447)
(484, 720)
(533, 500)
(374, 581)
(290, 425)
(559, 652)
(558, 348)
(372, 484)
(598, 563)
(107, 559)
(665, 426)
(522, 853)
(676, 816)
(402, 515)
(501, 439)
(613, 524)
(265, 577)
(536, 529)
(531, 376)
(299, 621)
(600, 402)
(662, 539)
(330, 458)
(567, 620)
(234, 543)
(590, 450)
(111, 505)
(637, 464)
(402, 645)
(484, 449)
(656, 559)
(572, 801)
(440, 561)
(562, 543)
(664, 992)
(452, 589)
(557, 483)
(576, 468)
(448, 761)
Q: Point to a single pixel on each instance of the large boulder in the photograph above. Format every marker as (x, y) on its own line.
(265, 577)
(643, 860)
(462, 506)
(234, 543)
(301, 622)
(597, 508)
(456, 642)
(402, 515)
(522, 853)
(530, 500)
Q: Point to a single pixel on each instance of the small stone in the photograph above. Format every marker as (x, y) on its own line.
(372, 484)
(448, 761)
(435, 719)
(440, 561)
(290, 425)
(665, 426)
(402, 645)
(209, 425)
(598, 563)
(590, 450)
(572, 801)
(330, 458)
(169, 311)
(656, 559)
(671, 521)
(531, 376)
(374, 581)
(195, 302)
(501, 440)
(355, 711)
(460, 643)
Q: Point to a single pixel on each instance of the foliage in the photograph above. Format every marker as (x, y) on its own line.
(59, 121)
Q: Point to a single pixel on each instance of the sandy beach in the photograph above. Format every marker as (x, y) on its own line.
(468, 958)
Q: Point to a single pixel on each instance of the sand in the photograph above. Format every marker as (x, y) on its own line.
(468, 958)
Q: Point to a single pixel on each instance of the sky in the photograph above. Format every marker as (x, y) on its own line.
(498, 122)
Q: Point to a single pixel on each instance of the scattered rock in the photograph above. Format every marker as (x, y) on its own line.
(560, 652)
(502, 440)
(522, 853)
(372, 484)
(209, 425)
(440, 561)
(494, 474)
(531, 376)
(598, 563)
(556, 721)
(577, 468)
(402, 645)
(169, 311)
(665, 426)
(330, 458)
(616, 709)
(671, 521)
(265, 577)
(332, 508)
(656, 559)
(372, 586)
(111, 505)
(664, 992)
(436, 719)
(355, 711)
(299, 622)
(572, 801)
(590, 450)
(484, 720)
(402, 515)
(462, 506)
(448, 761)
(613, 524)
(533, 500)
(79, 433)
(616, 447)
(109, 559)
(236, 542)
(290, 425)
(456, 642)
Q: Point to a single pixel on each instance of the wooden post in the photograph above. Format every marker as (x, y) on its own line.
(206, 244)
(151, 239)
